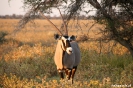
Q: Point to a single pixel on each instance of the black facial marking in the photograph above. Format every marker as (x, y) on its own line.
(63, 43)
(68, 43)
(66, 36)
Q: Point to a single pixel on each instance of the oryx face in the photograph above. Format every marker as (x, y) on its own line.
(66, 46)
(65, 43)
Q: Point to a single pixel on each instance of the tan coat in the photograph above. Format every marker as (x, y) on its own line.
(69, 61)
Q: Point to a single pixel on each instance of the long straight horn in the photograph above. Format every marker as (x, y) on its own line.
(63, 22)
(50, 22)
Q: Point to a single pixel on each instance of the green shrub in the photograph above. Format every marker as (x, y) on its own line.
(33, 66)
(2, 36)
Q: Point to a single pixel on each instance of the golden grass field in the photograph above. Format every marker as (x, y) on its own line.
(40, 31)
(26, 57)
(41, 27)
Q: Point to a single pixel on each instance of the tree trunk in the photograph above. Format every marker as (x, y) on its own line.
(131, 51)
(126, 44)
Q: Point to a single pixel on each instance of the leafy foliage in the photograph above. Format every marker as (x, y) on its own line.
(2, 36)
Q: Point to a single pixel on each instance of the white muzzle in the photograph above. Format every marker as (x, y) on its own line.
(69, 50)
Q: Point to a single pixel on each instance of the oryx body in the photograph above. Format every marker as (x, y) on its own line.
(67, 56)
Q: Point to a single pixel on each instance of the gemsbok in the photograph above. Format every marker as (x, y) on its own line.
(67, 54)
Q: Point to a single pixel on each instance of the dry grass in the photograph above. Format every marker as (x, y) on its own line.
(26, 59)
(40, 31)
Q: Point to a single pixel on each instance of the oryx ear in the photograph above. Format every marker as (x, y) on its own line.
(73, 37)
(56, 36)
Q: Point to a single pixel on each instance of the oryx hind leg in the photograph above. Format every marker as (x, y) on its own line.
(61, 73)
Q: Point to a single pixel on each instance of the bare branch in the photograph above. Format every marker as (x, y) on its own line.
(64, 23)
(26, 18)
(91, 27)
(50, 22)
(30, 16)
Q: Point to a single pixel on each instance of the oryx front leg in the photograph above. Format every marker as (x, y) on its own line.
(73, 72)
(68, 73)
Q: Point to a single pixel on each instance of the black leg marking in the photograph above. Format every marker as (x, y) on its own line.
(61, 74)
(73, 72)
(68, 73)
